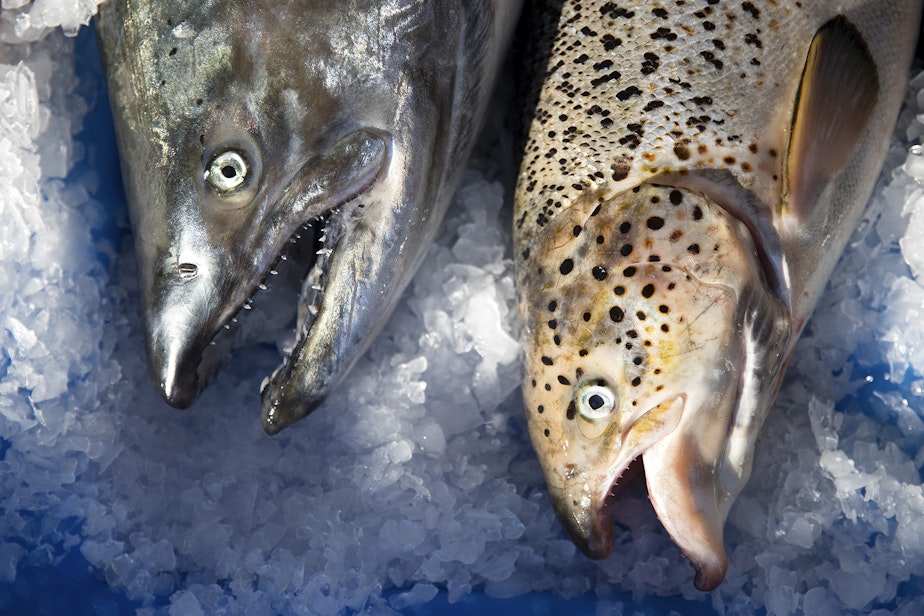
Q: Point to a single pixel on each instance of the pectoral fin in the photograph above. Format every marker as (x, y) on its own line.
(837, 95)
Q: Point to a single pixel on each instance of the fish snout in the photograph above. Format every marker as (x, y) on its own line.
(587, 522)
(173, 367)
(178, 330)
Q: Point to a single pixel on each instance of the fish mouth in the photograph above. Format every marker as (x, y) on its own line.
(186, 352)
(680, 488)
(584, 510)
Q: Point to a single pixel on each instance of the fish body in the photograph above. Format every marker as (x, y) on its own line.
(331, 134)
(691, 174)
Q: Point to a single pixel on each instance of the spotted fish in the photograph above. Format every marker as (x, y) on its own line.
(252, 134)
(692, 171)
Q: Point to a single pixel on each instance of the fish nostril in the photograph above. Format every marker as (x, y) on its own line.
(188, 271)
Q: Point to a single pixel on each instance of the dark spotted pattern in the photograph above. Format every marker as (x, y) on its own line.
(611, 113)
(639, 309)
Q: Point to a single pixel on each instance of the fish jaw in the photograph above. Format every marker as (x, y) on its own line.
(657, 301)
(371, 265)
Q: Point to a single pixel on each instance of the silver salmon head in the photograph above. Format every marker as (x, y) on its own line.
(330, 134)
(691, 174)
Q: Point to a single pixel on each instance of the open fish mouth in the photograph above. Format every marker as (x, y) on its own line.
(283, 305)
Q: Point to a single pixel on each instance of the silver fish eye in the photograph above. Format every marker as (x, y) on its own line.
(596, 402)
(227, 172)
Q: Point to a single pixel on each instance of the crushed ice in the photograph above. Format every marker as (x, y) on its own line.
(417, 475)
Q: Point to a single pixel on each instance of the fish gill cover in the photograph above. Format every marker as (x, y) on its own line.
(417, 477)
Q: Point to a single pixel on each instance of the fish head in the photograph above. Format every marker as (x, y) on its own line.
(322, 134)
(640, 344)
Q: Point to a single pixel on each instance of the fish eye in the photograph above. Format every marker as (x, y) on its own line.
(227, 172)
(596, 402)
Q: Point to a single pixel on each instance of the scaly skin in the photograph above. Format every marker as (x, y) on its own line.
(677, 214)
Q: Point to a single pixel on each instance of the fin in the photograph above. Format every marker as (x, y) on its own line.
(837, 95)
(682, 488)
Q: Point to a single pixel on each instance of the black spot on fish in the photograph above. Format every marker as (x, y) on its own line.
(663, 309)
(548, 387)
(640, 315)
(626, 250)
(586, 316)
(665, 328)
(648, 290)
(676, 197)
(625, 227)
(563, 380)
(697, 213)
(566, 266)
(629, 272)
(637, 361)
(632, 334)
(583, 352)
(553, 305)
(553, 324)
(616, 314)
(599, 272)
(577, 230)
(636, 381)
(556, 339)
(546, 431)
(547, 360)
(600, 239)
(681, 151)
(693, 248)
(571, 411)
(655, 222)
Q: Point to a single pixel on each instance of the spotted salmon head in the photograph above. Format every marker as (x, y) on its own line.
(691, 173)
(323, 138)
(651, 330)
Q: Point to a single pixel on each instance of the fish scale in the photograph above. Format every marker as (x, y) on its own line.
(690, 174)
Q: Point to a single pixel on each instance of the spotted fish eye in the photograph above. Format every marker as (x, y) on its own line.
(596, 402)
(227, 172)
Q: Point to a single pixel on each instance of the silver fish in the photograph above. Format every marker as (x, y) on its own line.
(244, 127)
(692, 173)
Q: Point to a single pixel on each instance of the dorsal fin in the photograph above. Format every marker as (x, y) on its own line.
(837, 95)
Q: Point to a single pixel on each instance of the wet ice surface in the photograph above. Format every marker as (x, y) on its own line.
(417, 475)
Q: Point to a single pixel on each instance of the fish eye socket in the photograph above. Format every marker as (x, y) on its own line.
(227, 172)
(596, 402)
